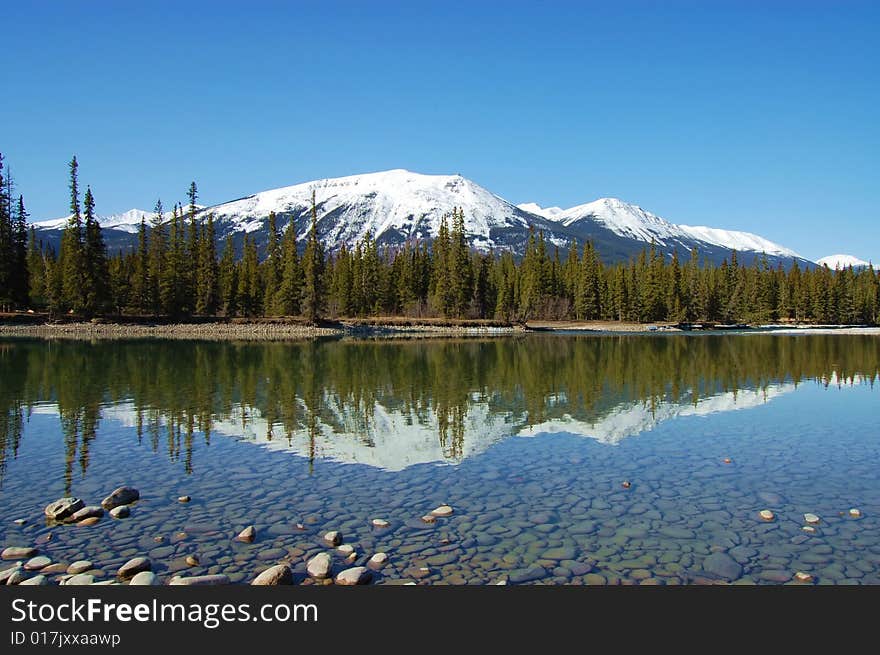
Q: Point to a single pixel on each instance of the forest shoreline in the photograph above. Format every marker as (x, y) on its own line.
(24, 325)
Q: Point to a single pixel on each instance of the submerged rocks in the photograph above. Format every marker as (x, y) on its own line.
(199, 580)
(7, 574)
(319, 566)
(519, 576)
(855, 512)
(89, 521)
(37, 581)
(766, 515)
(354, 576)
(722, 565)
(192, 560)
(63, 508)
(247, 535)
(378, 560)
(801, 576)
(80, 579)
(442, 511)
(144, 579)
(183, 499)
(133, 566)
(333, 538)
(120, 496)
(380, 523)
(428, 518)
(18, 552)
(811, 519)
(280, 574)
(345, 549)
(37, 563)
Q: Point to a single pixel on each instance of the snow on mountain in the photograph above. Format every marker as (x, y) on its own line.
(129, 221)
(395, 204)
(842, 262)
(535, 208)
(633, 222)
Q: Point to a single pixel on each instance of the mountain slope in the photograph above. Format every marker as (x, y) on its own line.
(842, 261)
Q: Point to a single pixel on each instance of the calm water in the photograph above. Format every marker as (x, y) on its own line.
(529, 439)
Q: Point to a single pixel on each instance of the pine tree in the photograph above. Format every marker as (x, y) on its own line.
(72, 257)
(207, 292)
(157, 254)
(287, 298)
(21, 276)
(228, 275)
(37, 290)
(313, 272)
(97, 274)
(272, 267)
(140, 284)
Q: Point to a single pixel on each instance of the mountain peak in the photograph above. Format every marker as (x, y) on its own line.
(842, 261)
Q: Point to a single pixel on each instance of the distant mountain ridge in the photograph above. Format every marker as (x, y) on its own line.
(397, 206)
(842, 261)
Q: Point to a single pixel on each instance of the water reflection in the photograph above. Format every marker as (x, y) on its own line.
(392, 404)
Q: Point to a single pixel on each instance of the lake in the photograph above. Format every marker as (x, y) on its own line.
(567, 459)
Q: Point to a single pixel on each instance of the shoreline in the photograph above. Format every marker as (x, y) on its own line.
(267, 330)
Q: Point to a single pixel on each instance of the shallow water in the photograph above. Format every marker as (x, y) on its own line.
(530, 440)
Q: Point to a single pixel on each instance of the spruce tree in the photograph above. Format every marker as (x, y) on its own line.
(72, 257)
(97, 274)
(313, 272)
(207, 292)
(157, 255)
(228, 278)
(21, 277)
(287, 298)
(140, 283)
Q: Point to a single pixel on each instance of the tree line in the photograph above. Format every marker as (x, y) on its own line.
(176, 271)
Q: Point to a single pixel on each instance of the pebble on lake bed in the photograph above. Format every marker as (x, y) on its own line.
(20, 521)
(626, 484)
(855, 512)
(345, 549)
(766, 515)
(319, 566)
(334, 537)
(183, 499)
(800, 576)
(89, 521)
(18, 552)
(247, 535)
(727, 460)
(120, 496)
(380, 523)
(120, 512)
(355, 576)
(809, 529)
(378, 559)
(428, 518)
(442, 511)
(811, 518)
(192, 560)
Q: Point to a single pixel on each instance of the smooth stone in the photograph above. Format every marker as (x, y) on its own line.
(775, 576)
(37, 563)
(133, 566)
(345, 549)
(442, 511)
(527, 575)
(192, 560)
(145, 579)
(63, 507)
(18, 552)
(183, 499)
(809, 529)
(271, 553)
(354, 576)
(561, 553)
(319, 566)
(723, 566)
(247, 535)
(677, 533)
(87, 512)
(80, 579)
(770, 497)
(89, 521)
(427, 518)
(594, 579)
(120, 496)
(801, 576)
(380, 523)
(199, 580)
(37, 581)
(43, 538)
(766, 515)
(811, 518)
(20, 521)
(280, 574)
(855, 512)
(334, 537)
(120, 512)
(6, 574)
(441, 559)
(53, 569)
(378, 559)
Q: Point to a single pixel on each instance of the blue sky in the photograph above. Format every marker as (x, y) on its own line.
(758, 116)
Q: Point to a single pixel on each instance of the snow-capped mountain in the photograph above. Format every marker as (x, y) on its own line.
(842, 262)
(397, 206)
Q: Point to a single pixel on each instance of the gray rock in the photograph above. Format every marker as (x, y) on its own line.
(37, 563)
(133, 566)
(378, 560)
(443, 510)
(120, 496)
(87, 512)
(319, 566)
(333, 538)
(354, 576)
(18, 552)
(120, 512)
(280, 574)
(561, 553)
(36, 581)
(63, 507)
(80, 579)
(200, 580)
(6, 574)
(722, 565)
(145, 579)
(247, 535)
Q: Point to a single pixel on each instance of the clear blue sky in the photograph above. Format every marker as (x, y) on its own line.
(759, 116)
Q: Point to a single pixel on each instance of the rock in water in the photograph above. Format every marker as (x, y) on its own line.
(37, 581)
(378, 560)
(199, 580)
(766, 515)
(319, 566)
(722, 565)
(800, 576)
(89, 521)
(855, 512)
(63, 507)
(37, 563)
(145, 579)
(183, 499)
(443, 510)
(380, 523)
(83, 579)
(120, 496)
(18, 552)
(812, 519)
(192, 560)
(280, 574)
(247, 535)
(6, 574)
(120, 512)
(345, 549)
(87, 512)
(428, 518)
(133, 566)
(354, 576)
(334, 537)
